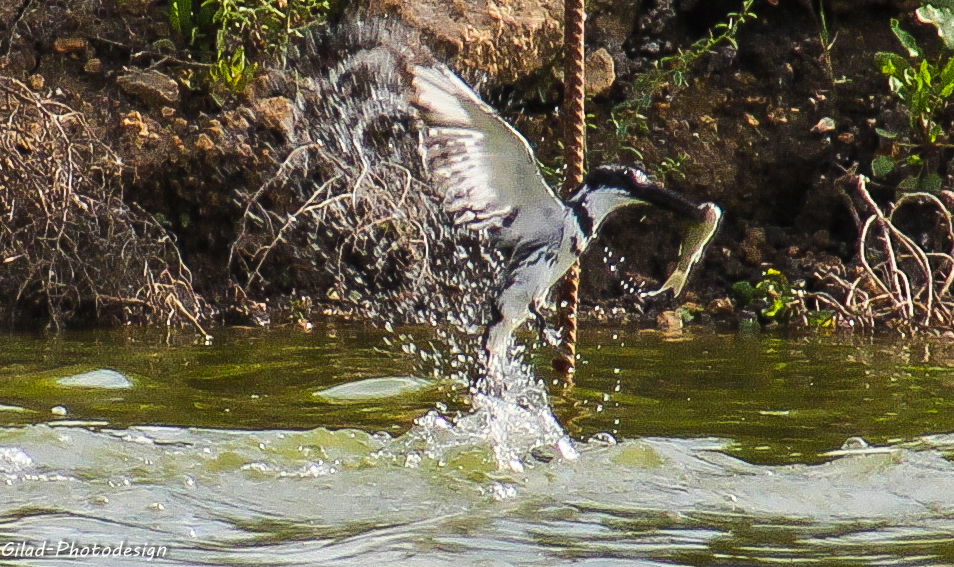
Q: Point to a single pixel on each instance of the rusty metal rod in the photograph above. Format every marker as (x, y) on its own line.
(574, 129)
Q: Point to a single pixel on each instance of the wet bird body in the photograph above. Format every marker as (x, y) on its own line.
(490, 181)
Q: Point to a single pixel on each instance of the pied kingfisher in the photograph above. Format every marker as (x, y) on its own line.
(490, 180)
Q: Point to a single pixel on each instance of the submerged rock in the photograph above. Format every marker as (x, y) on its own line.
(373, 388)
(102, 378)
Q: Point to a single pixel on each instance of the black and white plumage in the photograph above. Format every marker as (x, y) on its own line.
(490, 180)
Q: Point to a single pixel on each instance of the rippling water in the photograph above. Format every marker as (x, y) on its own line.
(730, 452)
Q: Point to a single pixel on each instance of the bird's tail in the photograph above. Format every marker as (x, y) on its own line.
(698, 237)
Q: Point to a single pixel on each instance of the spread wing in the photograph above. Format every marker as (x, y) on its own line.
(485, 168)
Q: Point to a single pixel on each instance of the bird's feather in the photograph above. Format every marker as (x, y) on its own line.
(484, 168)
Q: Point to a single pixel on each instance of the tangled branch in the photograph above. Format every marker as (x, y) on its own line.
(68, 243)
(900, 281)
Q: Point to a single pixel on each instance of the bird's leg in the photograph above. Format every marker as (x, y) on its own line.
(507, 314)
(536, 308)
(548, 336)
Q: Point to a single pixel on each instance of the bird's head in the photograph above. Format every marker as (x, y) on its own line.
(609, 187)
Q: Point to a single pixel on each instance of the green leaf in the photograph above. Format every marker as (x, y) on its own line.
(777, 307)
(891, 63)
(936, 132)
(907, 40)
(882, 165)
(924, 73)
(886, 133)
(181, 21)
(930, 183)
(744, 292)
(207, 13)
(948, 88)
(895, 85)
(947, 74)
(175, 16)
(942, 17)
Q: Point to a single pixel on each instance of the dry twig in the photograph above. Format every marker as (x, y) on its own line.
(68, 241)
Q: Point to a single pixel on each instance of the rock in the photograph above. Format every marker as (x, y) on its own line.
(134, 122)
(669, 322)
(153, 88)
(70, 45)
(204, 143)
(721, 306)
(36, 82)
(277, 113)
(753, 245)
(103, 378)
(216, 131)
(93, 67)
(777, 116)
(824, 126)
(603, 19)
(373, 388)
(164, 44)
(508, 40)
(600, 72)
(749, 323)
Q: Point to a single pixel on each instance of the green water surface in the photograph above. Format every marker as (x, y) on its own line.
(778, 399)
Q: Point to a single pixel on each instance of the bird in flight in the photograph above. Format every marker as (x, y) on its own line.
(490, 181)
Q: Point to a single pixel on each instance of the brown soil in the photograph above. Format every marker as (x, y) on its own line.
(746, 122)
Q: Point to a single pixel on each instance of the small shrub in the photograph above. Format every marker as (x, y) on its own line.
(774, 289)
(924, 88)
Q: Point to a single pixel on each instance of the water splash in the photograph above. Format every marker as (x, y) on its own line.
(515, 422)
(354, 160)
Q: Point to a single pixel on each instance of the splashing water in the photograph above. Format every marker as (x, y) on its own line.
(355, 162)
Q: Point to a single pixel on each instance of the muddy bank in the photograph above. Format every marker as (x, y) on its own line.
(766, 130)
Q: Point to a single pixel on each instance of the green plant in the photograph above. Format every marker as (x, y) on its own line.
(774, 289)
(783, 301)
(924, 87)
(628, 119)
(180, 16)
(234, 72)
(673, 71)
(673, 167)
(264, 25)
(827, 41)
(553, 169)
(675, 68)
(196, 26)
(242, 31)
